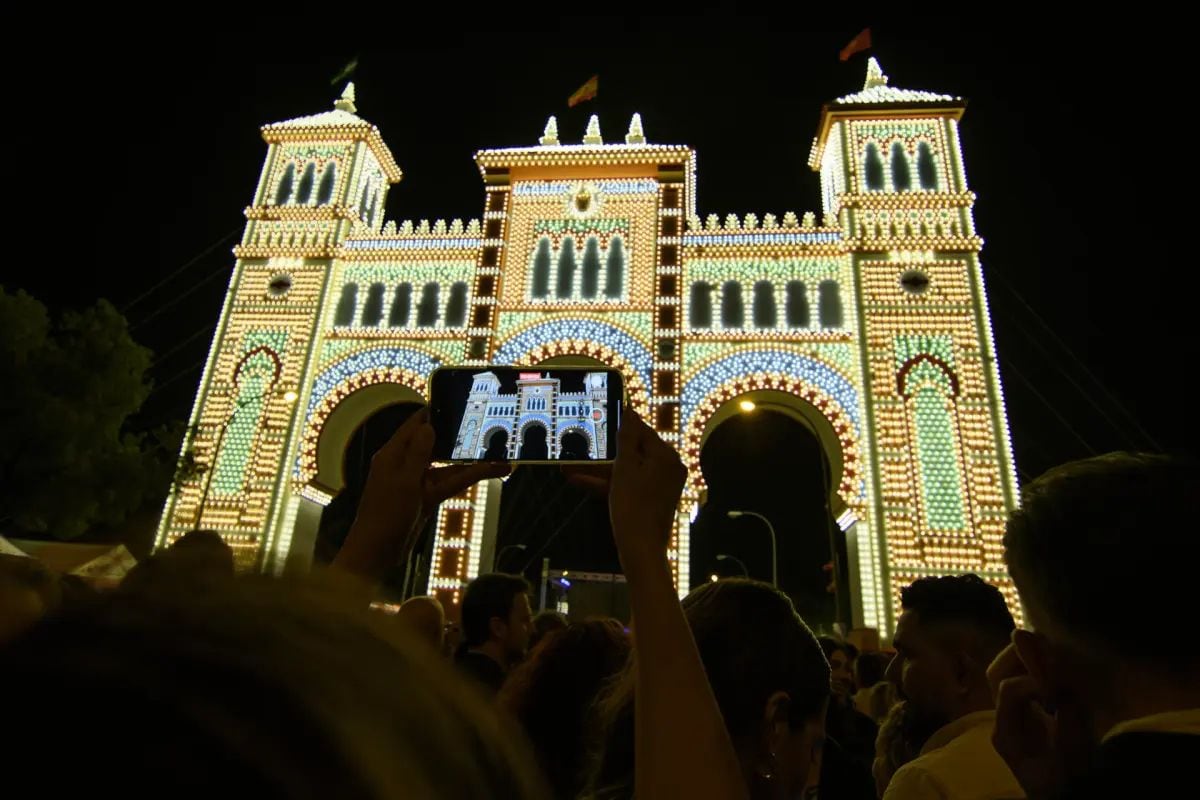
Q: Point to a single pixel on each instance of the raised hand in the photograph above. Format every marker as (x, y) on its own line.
(646, 483)
(1024, 734)
(401, 491)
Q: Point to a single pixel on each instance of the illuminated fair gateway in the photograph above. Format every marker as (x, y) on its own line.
(868, 322)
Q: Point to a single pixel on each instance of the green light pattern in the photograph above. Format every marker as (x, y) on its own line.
(255, 381)
(415, 272)
(941, 484)
(580, 226)
(719, 270)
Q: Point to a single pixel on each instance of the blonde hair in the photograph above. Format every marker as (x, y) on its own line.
(267, 688)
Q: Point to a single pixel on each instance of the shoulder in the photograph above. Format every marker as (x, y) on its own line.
(914, 780)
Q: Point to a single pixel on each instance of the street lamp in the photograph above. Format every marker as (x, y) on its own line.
(500, 555)
(736, 560)
(770, 530)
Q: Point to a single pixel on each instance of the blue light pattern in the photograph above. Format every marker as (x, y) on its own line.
(611, 337)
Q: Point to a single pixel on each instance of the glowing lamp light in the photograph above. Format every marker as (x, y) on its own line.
(713, 577)
(290, 396)
(746, 405)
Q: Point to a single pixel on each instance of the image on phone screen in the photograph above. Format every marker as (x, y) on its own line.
(502, 413)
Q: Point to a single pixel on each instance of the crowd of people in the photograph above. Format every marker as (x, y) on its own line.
(191, 680)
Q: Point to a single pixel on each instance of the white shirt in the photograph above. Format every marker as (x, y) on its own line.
(957, 763)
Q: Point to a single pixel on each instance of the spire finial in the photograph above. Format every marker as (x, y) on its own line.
(875, 76)
(593, 131)
(635, 135)
(550, 135)
(346, 101)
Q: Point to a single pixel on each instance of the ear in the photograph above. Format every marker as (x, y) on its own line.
(498, 628)
(776, 724)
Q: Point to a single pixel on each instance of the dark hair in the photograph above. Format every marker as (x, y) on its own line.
(752, 644)
(545, 622)
(552, 693)
(964, 600)
(829, 646)
(1105, 549)
(488, 596)
(278, 688)
(869, 669)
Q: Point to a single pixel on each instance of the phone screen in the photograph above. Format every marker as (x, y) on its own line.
(525, 414)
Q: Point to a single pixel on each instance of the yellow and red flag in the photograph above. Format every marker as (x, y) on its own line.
(585, 92)
(857, 44)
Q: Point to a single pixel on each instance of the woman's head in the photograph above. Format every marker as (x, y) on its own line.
(768, 674)
(278, 690)
(900, 739)
(552, 693)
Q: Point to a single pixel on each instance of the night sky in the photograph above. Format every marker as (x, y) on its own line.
(155, 153)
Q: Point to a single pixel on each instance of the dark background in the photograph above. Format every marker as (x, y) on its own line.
(136, 153)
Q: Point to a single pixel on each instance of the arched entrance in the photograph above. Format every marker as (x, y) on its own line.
(533, 443)
(760, 460)
(495, 445)
(573, 446)
(768, 448)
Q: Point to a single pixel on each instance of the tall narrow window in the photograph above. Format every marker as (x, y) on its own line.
(733, 315)
(401, 306)
(427, 309)
(328, 179)
(283, 193)
(873, 168)
(926, 170)
(614, 269)
(347, 305)
(590, 283)
(373, 308)
(797, 304)
(305, 187)
(830, 304)
(566, 268)
(700, 305)
(540, 285)
(764, 305)
(456, 306)
(901, 174)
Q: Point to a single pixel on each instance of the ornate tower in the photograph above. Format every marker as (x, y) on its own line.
(324, 178)
(892, 173)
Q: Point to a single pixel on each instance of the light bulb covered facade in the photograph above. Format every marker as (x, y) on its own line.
(871, 325)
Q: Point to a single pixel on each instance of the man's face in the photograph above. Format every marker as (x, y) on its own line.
(519, 626)
(840, 676)
(923, 671)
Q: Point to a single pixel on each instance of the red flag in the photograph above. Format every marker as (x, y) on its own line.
(585, 92)
(857, 45)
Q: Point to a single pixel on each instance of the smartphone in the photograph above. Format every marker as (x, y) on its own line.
(525, 414)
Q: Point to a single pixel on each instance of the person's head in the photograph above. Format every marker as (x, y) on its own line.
(28, 591)
(769, 676)
(278, 689)
(545, 622)
(496, 611)
(1102, 553)
(868, 669)
(197, 556)
(949, 631)
(552, 693)
(838, 654)
(899, 741)
(424, 617)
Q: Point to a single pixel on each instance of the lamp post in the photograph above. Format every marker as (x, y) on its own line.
(771, 531)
